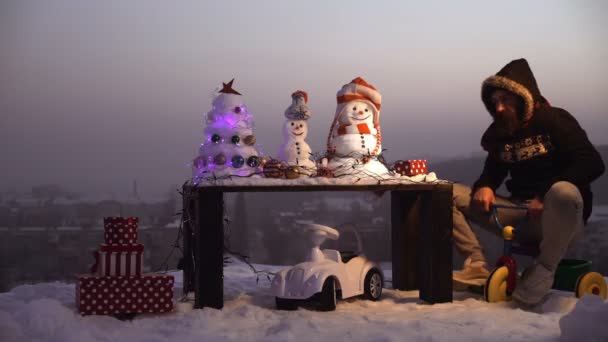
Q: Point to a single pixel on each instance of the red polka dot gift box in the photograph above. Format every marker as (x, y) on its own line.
(410, 167)
(120, 230)
(101, 295)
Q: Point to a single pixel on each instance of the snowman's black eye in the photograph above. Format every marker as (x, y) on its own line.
(354, 108)
(301, 125)
(292, 123)
(366, 109)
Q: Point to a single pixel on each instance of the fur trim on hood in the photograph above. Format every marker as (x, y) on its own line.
(517, 78)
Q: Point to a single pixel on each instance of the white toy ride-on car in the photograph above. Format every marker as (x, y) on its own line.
(327, 275)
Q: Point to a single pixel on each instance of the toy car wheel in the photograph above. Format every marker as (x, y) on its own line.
(591, 283)
(328, 295)
(495, 289)
(373, 285)
(286, 304)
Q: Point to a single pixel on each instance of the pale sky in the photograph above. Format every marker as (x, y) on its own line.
(94, 95)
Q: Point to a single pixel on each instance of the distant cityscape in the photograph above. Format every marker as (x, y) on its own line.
(49, 233)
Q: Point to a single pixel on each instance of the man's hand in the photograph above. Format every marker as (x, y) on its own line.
(535, 207)
(483, 198)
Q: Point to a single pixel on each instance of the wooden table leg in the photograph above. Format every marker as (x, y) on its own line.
(189, 202)
(404, 239)
(435, 245)
(209, 263)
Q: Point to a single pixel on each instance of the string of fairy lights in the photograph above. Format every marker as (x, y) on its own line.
(185, 218)
(352, 172)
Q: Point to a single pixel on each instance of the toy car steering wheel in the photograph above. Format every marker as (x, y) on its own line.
(320, 229)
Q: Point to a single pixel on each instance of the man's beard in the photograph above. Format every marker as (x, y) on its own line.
(506, 125)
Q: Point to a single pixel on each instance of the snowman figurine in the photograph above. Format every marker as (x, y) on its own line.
(355, 141)
(294, 150)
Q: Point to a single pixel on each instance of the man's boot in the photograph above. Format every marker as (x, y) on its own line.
(473, 273)
(534, 286)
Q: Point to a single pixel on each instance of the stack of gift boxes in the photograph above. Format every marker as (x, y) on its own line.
(116, 284)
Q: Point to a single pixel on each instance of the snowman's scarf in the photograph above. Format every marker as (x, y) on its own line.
(361, 128)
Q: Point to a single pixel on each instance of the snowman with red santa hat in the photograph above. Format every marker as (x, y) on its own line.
(354, 142)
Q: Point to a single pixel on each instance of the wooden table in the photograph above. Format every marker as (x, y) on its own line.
(421, 235)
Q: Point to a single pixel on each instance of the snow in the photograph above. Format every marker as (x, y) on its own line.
(257, 180)
(46, 312)
(600, 212)
(175, 224)
(587, 322)
(32, 229)
(69, 228)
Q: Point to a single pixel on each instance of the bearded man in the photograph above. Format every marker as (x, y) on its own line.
(550, 163)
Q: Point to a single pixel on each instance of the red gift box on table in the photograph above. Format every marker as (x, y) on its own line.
(120, 230)
(118, 260)
(411, 167)
(100, 295)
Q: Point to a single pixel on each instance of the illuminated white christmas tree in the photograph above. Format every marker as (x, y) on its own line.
(228, 146)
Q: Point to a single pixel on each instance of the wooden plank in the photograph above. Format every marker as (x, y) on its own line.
(188, 239)
(404, 238)
(317, 187)
(209, 264)
(436, 245)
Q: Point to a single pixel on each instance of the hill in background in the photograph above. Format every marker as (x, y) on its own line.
(467, 170)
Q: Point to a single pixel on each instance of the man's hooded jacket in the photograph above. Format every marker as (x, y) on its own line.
(550, 147)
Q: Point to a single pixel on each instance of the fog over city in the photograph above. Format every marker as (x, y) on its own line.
(95, 96)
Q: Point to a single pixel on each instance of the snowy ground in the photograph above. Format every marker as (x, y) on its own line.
(46, 312)
(600, 212)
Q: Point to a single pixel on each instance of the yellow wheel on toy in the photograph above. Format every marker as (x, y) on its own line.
(496, 286)
(591, 283)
